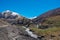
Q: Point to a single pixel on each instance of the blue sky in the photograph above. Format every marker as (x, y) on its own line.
(29, 8)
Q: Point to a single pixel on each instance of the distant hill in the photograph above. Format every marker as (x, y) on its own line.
(51, 13)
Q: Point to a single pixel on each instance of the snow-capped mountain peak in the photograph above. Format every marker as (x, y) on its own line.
(7, 11)
(10, 12)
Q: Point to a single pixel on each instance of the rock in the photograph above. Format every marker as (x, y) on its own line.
(11, 32)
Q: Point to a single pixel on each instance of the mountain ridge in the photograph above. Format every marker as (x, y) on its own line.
(53, 12)
(18, 19)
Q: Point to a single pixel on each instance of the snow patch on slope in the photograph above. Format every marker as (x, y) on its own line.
(7, 11)
(33, 17)
(14, 13)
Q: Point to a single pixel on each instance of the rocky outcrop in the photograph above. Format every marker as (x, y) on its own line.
(3, 34)
(11, 32)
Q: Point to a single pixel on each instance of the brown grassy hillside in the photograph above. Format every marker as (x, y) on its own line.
(53, 30)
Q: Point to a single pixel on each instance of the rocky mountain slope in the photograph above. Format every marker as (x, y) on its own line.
(11, 27)
(13, 32)
(14, 18)
(16, 27)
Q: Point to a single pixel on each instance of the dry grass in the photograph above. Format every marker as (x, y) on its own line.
(46, 31)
